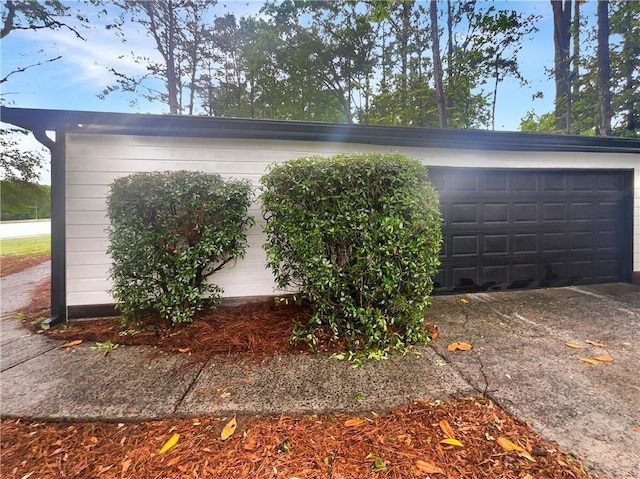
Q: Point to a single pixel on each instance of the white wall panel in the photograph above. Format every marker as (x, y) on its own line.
(94, 161)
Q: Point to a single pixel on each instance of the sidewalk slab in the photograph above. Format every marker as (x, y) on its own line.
(310, 384)
(84, 384)
(27, 347)
(520, 359)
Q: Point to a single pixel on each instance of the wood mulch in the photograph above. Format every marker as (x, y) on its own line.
(14, 263)
(402, 443)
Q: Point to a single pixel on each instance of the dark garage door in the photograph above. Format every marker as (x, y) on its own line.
(507, 229)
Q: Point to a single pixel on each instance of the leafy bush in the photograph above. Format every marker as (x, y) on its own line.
(170, 231)
(359, 236)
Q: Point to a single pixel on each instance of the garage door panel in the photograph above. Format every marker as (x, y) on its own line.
(496, 182)
(525, 212)
(513, 229)
(495, 213)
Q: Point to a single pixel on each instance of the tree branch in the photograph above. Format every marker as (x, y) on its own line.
(23, 69)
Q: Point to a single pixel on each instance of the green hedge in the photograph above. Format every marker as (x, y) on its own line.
(170, 231)
(359, 237)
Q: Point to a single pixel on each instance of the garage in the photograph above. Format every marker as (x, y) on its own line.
(522, 210)
(509, 229)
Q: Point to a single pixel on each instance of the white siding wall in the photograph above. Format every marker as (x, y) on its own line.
(94, 161)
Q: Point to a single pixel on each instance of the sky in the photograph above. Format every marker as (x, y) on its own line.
(74, 81)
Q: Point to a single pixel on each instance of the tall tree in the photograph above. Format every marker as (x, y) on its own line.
(604, 71)
(562, 40)
(177, 30)
(437, 64)
(625, 63)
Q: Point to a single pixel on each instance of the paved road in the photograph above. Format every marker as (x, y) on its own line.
(18, 229)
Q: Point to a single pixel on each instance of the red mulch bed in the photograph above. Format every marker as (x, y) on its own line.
(389, 445)
(402, 443)
(14, 263)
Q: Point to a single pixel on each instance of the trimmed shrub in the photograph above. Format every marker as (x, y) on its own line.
(359, 237)
(170, 231)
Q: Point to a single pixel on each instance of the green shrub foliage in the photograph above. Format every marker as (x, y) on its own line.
(359, 237)
(170, 231)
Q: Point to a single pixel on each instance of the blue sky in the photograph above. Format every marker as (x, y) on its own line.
(74, 81)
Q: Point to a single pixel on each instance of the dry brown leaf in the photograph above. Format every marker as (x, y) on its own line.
(574, 345)
(446, 428)
(125, 467)
(507, 445)
(464, 346)
(356, 421)
(452, 347)
(428, 467)
(636, 428)
(71, 344)
(184, 350)
(595, 343)
(433, 331)
(174, 461)
(589, 361)
(228, 429)
(604, 358)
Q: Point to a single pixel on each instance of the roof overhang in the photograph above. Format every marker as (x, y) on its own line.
(217, 127)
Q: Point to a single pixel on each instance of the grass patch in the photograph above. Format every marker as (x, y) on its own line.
(27, 246)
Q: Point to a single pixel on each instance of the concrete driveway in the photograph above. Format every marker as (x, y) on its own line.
(520, 359)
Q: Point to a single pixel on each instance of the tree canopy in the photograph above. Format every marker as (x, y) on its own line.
(391, 62)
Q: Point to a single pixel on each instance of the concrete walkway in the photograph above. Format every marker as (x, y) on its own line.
(519, 359)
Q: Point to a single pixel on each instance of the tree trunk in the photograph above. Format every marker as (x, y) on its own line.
(575, 74)
(172, 83)
(561, 40)
(437, 64)
(604, 71)
(629, 69)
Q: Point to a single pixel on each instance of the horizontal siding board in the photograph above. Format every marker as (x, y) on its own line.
(94, 161)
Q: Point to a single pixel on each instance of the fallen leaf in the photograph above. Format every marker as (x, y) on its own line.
(184, 350)
(174, 461)
(636, 428)
(170, 443)
(452, 347)
(589, 361)
(464, 300)
(379, 464)
(428, 467)
(228, 429)
(125, 466)
(595, 343)
(604, 358)
(464, 346)
(574, 345)
(452, 442)
(507, 445)
(446, 428)
(71, 344)
(433, 331)
(353, 422)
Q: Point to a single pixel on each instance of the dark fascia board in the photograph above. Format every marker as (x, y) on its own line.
(217, 127)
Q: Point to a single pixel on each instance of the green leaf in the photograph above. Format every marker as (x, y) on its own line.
(379, 464)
